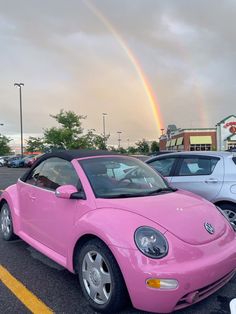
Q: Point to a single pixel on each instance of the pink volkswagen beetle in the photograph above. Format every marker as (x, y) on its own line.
(116, 223)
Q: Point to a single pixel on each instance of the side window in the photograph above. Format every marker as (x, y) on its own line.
(197, 166)
(163, 166)
(33, 177)
(57, 172)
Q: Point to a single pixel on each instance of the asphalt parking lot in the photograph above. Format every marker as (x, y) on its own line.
(57, 288)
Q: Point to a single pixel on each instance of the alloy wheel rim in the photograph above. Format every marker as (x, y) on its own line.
(5, 222)
(96, 277)
(231, 215)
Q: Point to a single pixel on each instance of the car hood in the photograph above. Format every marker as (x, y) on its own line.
(181, 213)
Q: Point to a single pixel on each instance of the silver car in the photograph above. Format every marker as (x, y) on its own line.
(2, 162)
(209, 174)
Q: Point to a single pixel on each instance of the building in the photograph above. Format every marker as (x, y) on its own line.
(223, 137)
(226, 133)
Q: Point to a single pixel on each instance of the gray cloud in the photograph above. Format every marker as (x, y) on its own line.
(68, 59)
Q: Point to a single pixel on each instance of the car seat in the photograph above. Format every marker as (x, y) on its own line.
(97, 174)
(205, 166)
(184, 170)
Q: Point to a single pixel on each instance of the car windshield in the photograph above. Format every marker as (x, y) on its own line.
(121, 177)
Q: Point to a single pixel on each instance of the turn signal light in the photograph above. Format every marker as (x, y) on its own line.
(163, 284)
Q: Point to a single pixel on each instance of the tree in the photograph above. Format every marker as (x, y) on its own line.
(155, 147)
(142, 146)
(87, 140)
(66, 136)
(35, 144)
(4, 147)
(122, 150)
(70, 120)
(70, 133)
(100, 142)
(132, 150)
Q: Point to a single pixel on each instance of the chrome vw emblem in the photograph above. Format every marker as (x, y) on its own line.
(209, 228)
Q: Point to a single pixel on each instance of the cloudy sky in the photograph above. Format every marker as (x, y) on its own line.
(79, 55)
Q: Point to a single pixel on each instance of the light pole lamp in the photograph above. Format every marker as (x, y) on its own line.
(119, 139)
(104, 126)
(1, 124)
(21, 123)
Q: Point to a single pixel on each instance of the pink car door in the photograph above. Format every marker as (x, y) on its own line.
(47, 218)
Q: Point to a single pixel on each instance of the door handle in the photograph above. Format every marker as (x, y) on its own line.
(211, 180)
(33, 198)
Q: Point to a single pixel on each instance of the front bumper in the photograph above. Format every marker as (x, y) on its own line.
(200, 271)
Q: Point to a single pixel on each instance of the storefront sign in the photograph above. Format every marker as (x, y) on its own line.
(229, 124)
(232, 126)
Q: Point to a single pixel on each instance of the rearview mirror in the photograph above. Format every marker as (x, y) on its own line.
(69, 192)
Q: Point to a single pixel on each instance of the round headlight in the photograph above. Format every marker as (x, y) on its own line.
(151, 242)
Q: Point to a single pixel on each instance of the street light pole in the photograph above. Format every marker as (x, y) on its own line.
(21, 123)
(104, 126)
(119, 139)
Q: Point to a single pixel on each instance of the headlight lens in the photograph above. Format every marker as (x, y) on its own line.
(226, 217)
(151, 242)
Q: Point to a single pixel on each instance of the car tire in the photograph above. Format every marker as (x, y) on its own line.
(100, 277)
(6, 224)
(230, 210)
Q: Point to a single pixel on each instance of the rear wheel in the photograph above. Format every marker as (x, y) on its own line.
(230, 210)
(6, 225)
(100, 277)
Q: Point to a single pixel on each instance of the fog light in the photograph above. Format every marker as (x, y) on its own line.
(162, 284)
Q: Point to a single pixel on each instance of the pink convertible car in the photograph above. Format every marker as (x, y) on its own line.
(116, 223)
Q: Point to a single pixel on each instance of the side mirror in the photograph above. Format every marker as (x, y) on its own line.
(69, 192)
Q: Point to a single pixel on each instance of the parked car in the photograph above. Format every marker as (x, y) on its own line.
(141, 157)
(125, 236)
(2, 162)
(16, 162)
(161, 152)
(209, 174)
(31, 160)
(11, 159)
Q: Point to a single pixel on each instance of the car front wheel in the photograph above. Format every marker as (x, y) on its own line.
(6, 225)
(100, 277)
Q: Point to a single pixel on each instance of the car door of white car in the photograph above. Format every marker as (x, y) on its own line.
(202, 175)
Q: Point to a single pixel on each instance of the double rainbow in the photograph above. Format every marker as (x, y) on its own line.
(146, 84)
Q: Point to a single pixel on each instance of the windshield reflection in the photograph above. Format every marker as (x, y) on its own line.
(121, 177)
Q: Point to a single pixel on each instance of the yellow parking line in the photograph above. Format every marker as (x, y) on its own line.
(23, 294)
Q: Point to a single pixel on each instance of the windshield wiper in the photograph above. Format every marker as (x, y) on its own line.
(160, 190)
(123, 195)
(157, 191)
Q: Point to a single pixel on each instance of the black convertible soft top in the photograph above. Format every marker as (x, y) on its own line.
(68, 155)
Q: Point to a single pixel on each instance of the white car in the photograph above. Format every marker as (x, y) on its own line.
(209, 174)
(2, 162)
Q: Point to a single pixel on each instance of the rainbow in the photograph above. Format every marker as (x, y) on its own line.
(146, 84)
